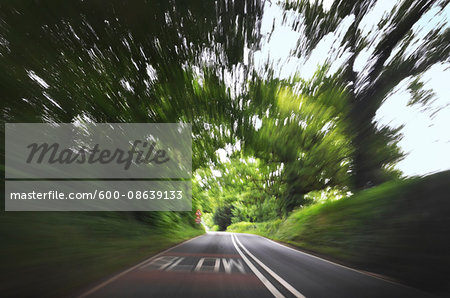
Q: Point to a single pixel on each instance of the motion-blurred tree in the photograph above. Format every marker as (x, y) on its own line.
(122, 61)
(397, 52)
(302, 134)
(127, 61)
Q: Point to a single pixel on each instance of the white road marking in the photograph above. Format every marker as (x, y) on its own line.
(313, 256)
(340, 265)
(214, 268)
(230, 263)
(94, 289)
(174, 264)
(258, 274)
(161, 262)
(268, 270)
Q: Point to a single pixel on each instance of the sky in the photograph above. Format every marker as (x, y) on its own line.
(426, 135)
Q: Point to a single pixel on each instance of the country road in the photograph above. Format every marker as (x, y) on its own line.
(241, 265)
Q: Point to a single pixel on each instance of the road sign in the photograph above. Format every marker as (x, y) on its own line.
(198, 213)
(198, 220)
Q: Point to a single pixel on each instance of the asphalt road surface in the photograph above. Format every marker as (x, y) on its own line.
(241, 265)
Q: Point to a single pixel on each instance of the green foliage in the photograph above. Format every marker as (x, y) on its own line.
(207, 219)
(245, 183)
(263, 211)
(258, 228)
(303, 130)
(325, 195)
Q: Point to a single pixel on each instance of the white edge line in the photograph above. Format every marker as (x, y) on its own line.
(258, 274)
(274, 275)
(106, 282)
(340, 265)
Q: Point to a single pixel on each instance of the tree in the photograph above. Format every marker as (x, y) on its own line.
(246, 184)
(126, 61)
(302, 134)
(139, 61)
(393, 58)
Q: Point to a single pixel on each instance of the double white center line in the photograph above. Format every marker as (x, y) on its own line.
(258, 274)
